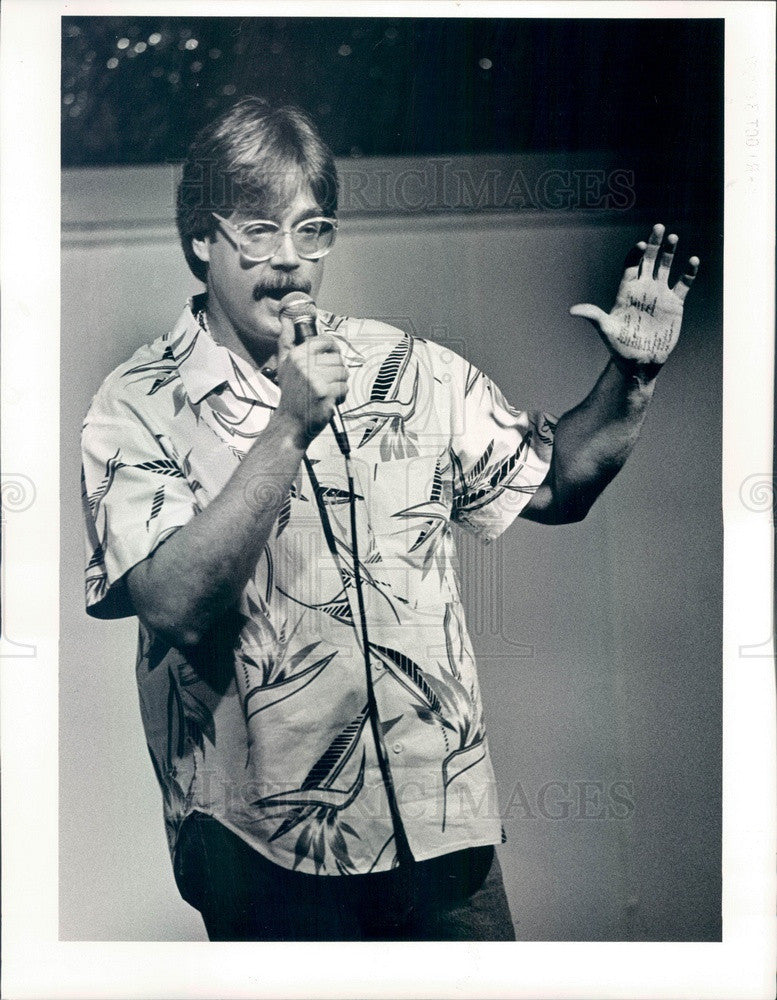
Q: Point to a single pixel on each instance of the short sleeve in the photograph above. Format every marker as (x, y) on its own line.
(134, 495)
(499, 454)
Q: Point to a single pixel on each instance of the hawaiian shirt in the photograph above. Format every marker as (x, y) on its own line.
(266, 726)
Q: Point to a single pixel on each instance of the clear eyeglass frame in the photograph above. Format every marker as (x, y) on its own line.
(276, 233)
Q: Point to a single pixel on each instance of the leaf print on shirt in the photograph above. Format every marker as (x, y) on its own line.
(189, 723)
(179, 400)
(456, 763)
(432, 516)
(484, 483)
(318, 805)
(472, 376)
(337, 608)
(445, 703)
(454, 639)
(162, 370)
(351, 355)
(172, 465)
(281, 679)
(476, 472)
(341, 552)
(345, 566)
(112, 466)
(385, 383)
(199, 718)
(284, 514)
(546, 429)
(384, 407)
(459, 711)
(444, 699)
(333, 496)
(409, 675)
(235, 410)
(96, 574)
(161, 466)
(156, 505)
(96, 584)
(152, 650)
(186, 468)
(176, 723)
(97, 557)
(295, 492)
(462, 713)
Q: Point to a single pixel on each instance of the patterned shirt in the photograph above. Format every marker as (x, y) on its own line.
(266, 726)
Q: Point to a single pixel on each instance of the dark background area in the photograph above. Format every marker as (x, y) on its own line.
(136, 89)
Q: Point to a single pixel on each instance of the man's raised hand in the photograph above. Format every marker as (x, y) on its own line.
(643, 326)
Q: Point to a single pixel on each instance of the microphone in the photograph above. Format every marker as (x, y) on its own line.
(301, 310)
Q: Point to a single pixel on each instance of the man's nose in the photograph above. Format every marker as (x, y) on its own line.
(285, 255)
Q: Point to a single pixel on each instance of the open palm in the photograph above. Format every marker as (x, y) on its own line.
(644, 324)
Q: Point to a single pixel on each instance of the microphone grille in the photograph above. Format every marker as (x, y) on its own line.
(298, 305)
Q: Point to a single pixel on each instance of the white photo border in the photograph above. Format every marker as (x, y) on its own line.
(36, 963)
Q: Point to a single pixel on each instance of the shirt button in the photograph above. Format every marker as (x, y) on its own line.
(398, 747)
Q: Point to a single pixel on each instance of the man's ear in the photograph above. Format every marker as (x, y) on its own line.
(201, 248)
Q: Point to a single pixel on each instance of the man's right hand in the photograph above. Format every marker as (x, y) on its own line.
(312, 379)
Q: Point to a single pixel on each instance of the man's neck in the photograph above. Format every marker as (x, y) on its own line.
(224, 334)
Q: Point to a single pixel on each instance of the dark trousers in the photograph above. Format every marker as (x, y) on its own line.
(244, 897)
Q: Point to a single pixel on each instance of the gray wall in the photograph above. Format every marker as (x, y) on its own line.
(599, 643)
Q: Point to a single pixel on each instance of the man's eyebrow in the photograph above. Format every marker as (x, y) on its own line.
(307, 213)
(314, 212)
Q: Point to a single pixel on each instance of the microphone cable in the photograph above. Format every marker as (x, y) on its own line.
(301, 309)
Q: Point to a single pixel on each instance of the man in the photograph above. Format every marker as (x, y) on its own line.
(307, 685)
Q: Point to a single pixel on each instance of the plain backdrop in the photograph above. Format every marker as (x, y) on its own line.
(599, 643)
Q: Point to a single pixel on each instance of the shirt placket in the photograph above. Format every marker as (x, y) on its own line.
(389, 754)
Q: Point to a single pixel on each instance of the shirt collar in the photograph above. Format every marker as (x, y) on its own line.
(205, 365)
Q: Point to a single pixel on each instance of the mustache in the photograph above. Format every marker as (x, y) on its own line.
(277, 289)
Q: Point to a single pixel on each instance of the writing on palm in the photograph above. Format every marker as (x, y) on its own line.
(644, 324)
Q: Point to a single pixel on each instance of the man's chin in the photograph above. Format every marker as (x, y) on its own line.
(267, 319)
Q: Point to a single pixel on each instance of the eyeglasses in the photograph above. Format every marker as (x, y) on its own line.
(259, 239)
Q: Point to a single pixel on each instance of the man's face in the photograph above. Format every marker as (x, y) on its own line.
(243, 295)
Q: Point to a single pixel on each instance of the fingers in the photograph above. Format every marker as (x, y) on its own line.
(317, 352)
(321, 363)
(633, 261)
(660, 259)
(651, 250)
(686, 280)
(312, 380)
(320, 355)
(666, 258)
(324, 344)
(286, 339)
(311, 352)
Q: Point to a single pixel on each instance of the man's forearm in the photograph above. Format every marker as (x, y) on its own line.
(200, 571)
(592, 442)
